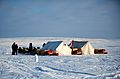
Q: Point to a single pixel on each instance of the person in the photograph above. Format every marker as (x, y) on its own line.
(30, 48)
(71, 44)
(13, 48)
(16, 48)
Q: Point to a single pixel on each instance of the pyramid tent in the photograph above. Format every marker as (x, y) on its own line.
(85, 46)
(58, 46)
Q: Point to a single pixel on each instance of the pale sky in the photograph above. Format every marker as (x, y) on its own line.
(60, 18)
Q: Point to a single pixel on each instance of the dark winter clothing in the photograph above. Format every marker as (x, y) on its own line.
(14, 49)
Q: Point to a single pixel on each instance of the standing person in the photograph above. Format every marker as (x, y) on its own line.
(30, 48)
(16, 48)
(71, 44)
(13, 48)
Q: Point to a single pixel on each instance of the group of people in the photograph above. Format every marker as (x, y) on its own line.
(14, 49)
(31, 50)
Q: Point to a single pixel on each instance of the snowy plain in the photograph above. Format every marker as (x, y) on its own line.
(97, 66)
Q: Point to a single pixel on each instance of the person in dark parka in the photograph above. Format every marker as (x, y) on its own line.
(30, 48)
(13, 48)
(16, 49)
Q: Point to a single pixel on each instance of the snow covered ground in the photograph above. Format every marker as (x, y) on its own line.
(59, 67)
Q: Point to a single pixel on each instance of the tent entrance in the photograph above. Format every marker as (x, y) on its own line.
(76, 51)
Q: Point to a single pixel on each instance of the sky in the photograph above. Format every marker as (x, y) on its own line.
(60, 18)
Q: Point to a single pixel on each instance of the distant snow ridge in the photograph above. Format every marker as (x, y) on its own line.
(59, 67)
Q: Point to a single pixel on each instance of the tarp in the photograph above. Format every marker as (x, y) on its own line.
(51, 45)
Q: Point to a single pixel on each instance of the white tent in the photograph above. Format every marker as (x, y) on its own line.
(87, 49)
(58, 46)
(85, 46)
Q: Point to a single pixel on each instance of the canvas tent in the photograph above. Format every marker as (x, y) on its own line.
(58, 46)
(82, 47)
